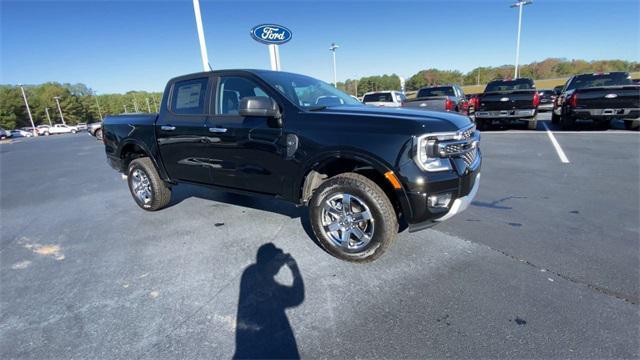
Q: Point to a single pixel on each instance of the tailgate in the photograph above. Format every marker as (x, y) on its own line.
(430, 103)
(507, 100)
(610, 97)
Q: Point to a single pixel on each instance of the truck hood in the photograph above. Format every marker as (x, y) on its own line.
(431, 121)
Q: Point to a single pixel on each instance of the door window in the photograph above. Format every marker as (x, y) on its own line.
(231, 90)
(188, 97)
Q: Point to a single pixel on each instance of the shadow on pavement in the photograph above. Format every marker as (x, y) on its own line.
(263, 330)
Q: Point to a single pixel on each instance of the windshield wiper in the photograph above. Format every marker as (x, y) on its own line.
(317, 107)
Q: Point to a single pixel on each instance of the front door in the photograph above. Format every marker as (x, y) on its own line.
(182, 133)
(250, 153)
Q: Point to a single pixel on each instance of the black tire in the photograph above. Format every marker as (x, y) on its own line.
(98, 134)
(383, 223)
(567, 122)
(555, 119)
(481, 124)
(632, 124)
(159, 194)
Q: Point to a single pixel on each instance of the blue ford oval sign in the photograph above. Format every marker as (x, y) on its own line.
(271, 34)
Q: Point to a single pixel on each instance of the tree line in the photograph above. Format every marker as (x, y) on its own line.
(78, 103)
(547, 69)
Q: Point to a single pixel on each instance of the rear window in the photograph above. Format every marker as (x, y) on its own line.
(436, 91)
(509, 85)
(188, 96)
(380, 97)
(596, 80)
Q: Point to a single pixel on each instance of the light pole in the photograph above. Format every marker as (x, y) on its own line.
(520, 4)
(333, 48)
(125, 109)
(148, 105)
(99, 111)
(155, 103)
(60, 109)
(33, 126)
(135, 104)
(46, 110)
(203, 44)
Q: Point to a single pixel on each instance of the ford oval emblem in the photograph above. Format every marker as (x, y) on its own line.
(611, 96)
(271, 34)
(504, 99)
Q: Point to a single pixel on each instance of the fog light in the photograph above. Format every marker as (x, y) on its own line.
(439, 201)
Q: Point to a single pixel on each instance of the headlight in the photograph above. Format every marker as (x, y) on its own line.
(426, 157)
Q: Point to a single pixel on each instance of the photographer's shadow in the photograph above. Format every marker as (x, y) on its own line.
(262, 327)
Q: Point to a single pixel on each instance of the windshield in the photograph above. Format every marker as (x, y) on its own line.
(509, 85)
(436, 91)
(307, 92)
(596, 80)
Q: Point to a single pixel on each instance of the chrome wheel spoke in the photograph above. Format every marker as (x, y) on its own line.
(346, 238)
(329, 208)
(362, 216)
(334, 226)
(358, 233)
(346, 203)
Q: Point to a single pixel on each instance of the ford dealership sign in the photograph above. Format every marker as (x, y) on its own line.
(271, 34)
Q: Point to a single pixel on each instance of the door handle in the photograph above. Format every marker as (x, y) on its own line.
(167, 127)
(217, 130)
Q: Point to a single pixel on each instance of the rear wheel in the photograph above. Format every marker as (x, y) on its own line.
(482, 124)
(567, 122)
(146, 186)
(98, 134)
(352, 218)
(632, 124)
(555, 119)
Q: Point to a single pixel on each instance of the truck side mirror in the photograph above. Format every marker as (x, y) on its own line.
(261, 106)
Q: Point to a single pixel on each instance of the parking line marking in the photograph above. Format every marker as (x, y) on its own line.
(563, 157)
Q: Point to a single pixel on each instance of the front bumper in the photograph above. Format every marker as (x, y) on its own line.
(462, 203)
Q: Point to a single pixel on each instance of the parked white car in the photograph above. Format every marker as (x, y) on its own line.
(62, 129)
(384, 98)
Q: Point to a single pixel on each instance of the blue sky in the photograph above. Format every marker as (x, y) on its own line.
(115, 46)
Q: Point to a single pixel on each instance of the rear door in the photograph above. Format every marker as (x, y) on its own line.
(183, 137)
(249, 153)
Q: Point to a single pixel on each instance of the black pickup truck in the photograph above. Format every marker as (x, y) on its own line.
(507, 101)
(599, 97)
(440, 98)
(361, 170)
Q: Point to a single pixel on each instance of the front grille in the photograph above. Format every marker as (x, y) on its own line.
(470, 156)
(468, 133)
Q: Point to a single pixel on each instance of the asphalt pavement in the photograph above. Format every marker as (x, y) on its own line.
(544, 264)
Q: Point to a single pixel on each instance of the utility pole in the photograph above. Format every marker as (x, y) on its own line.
(125, 109)
(478, 82)
(99, 111)
(46, 110)
(333, 48)
(356, 87)
(135, 104)
(155, 103)
(203, 44)
(60, 109)
(148, 105)
(33, 126)
(520, 4)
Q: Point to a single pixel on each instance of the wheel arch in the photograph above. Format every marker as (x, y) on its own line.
(333, 163)
(131, 149)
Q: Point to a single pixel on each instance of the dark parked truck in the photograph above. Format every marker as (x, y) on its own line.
(508, 101)
(363, 172)
(600, 97)
(439, 98)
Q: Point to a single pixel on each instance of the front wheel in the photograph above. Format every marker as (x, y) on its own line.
(352, 218)
(146, 186)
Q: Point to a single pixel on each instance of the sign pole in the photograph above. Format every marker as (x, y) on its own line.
(274, 57)
(203, 44)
